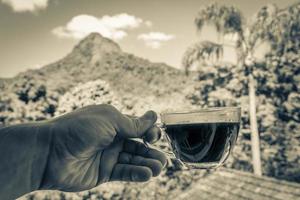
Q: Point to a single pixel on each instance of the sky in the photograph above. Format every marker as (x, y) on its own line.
(34, 33)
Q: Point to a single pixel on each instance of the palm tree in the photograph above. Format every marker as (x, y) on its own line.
(229, 20)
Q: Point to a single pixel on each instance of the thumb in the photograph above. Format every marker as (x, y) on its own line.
(136, 127)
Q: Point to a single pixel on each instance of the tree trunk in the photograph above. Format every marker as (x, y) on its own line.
(254, 130)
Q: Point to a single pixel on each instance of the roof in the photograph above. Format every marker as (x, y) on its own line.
(236, 185)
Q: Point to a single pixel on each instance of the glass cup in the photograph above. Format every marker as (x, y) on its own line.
(201, 139)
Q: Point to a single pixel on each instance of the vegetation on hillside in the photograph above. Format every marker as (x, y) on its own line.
(275, 79)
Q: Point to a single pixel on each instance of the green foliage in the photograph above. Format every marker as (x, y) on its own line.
(278, 108)
(280, 27)
(89, 93)
(227, 19)
(28, 100)
(204, 51)
(277, 83)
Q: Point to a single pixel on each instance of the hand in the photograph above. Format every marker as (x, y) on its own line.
(93, 145)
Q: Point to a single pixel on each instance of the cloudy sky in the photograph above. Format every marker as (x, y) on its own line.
(36, 32)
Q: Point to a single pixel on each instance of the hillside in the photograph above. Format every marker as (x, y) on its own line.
(98, 57)
(93, 58)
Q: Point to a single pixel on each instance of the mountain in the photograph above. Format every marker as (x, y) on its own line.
(98, 71)
(93, 58)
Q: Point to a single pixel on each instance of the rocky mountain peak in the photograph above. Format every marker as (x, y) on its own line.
(96, 44)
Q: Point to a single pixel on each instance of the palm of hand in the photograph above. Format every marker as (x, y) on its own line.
(92, 146)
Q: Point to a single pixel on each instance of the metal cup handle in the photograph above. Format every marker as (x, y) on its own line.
(170, 154)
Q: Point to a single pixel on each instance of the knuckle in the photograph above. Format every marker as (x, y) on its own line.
(106, 108)
(138, 160)
(89, 108)
(125, 158)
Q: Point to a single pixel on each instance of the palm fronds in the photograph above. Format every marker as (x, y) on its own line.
(279, 27)
(226, 19)
(202, 51)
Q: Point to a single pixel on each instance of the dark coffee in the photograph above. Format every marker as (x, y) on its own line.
(203, 138)
(202, 142)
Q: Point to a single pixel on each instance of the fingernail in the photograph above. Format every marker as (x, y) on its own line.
(158, 136)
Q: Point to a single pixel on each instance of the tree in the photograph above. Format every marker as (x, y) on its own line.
(229, 20)
(275, 78)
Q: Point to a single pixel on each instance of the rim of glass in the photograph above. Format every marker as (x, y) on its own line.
(201, 110)
(204, 115)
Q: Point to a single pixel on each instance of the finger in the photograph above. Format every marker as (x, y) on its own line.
(152, 135)
(126, 172)
(136, 127)
(108, 159)
(155, 165)
(138, 148)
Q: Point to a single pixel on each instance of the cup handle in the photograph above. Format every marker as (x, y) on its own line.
(170, 154)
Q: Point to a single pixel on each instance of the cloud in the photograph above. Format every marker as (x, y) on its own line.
(155, 39)
(26, 5)
(113, 27)
(148, 23)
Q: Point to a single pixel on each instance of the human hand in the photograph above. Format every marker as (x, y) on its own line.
(93, 145)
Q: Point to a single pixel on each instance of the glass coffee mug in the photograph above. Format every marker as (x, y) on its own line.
(201, 139)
